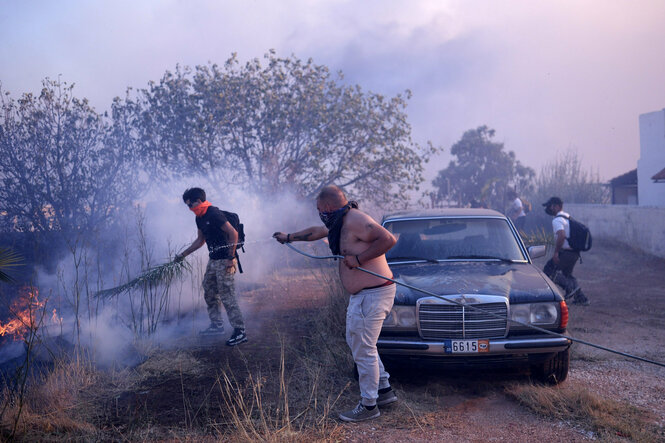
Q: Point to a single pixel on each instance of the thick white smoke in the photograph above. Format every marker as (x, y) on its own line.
(112, 331)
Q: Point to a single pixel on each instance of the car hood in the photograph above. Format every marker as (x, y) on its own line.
(519, 282)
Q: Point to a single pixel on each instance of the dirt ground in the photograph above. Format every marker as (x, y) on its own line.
(627, 312)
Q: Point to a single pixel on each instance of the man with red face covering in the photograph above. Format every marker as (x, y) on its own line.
(218, 282)
(363, 242)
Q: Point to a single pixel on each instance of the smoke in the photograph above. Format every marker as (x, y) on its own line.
(124, 329)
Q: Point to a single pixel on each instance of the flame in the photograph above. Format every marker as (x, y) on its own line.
(25, 313)
(55, 319)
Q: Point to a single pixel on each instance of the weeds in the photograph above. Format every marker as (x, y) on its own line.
(49, 404)
(607, 418)
(266, 408)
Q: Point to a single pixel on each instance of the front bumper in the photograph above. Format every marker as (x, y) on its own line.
(413, 347)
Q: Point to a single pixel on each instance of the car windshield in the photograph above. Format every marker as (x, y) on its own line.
(453, 239)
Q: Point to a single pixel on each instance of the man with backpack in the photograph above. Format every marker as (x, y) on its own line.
(216, 230)
(560, 267)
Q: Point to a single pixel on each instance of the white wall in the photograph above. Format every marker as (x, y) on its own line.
(652, 159)
(639, 226)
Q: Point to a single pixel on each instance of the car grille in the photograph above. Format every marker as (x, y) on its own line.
(448, 321)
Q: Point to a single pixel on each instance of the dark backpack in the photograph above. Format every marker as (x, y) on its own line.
(580, 236)
(234, 220)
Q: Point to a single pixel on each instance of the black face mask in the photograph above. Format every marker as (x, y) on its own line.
(550, 210)
(334, 221)
(329, 218)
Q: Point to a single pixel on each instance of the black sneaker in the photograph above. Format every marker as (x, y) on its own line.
(213, 330)
(238, 337)
(386, 398)
(360, 413)
(573, 293)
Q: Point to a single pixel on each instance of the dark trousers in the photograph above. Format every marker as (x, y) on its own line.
(519, 222)
(562, 274)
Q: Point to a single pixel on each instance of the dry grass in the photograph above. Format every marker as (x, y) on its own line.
(49, 407)
(292, 406)
(290, 397)
(538, 237)
(168, 363)
(296, 403)
(608, 418)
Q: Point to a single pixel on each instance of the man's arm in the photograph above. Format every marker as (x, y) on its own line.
(309, 234)
(558, 244)
(232, 236)
(367, 230)
(200, 241)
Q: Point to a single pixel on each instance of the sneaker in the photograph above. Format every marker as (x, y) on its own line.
(572, 293)
(213, 330)
(360, 413)
(238, 337)
(386, 398)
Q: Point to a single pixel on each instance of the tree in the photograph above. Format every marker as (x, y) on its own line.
(63, 167)
(286, 125)
(482, 172)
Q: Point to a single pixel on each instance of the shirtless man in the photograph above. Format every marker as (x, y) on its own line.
(362, 242)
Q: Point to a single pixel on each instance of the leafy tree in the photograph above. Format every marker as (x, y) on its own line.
(63, 167)
(482, 172)
(286, 125)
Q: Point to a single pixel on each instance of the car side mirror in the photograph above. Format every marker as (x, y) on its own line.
(537, 251)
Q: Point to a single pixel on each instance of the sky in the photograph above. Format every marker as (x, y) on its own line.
(548, 76)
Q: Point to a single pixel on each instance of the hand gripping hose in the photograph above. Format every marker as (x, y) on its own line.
(556, 334)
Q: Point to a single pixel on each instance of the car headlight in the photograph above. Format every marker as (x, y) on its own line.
(401, 317)
(535, 314)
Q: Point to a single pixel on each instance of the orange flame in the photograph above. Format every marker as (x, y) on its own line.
(25, 310)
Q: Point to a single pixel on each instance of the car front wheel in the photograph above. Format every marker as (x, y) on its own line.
(554, 370)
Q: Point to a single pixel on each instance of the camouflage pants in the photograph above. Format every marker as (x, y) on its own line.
(218, 289)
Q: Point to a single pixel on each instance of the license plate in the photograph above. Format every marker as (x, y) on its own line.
(466, 346)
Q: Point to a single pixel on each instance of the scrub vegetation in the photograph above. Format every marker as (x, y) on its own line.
(71, 219)
(293, 376)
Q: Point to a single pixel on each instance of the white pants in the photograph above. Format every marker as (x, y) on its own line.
(364, 318)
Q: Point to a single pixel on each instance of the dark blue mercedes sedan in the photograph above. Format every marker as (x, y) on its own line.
(482, 295)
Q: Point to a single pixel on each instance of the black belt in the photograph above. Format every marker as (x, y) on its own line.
(386, 283)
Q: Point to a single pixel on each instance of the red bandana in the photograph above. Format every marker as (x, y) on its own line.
(201, 209)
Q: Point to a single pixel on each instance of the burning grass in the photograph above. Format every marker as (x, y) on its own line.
(609, 419)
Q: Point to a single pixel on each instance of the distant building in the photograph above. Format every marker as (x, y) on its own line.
(624, 189)
(651, 165)
(660, 177)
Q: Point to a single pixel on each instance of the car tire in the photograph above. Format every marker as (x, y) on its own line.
(554, 370)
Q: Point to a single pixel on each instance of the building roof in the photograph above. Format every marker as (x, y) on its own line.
(659, 177)
(629, 178)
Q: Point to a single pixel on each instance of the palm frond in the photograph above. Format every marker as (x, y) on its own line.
(8, 259)
(162, 274)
